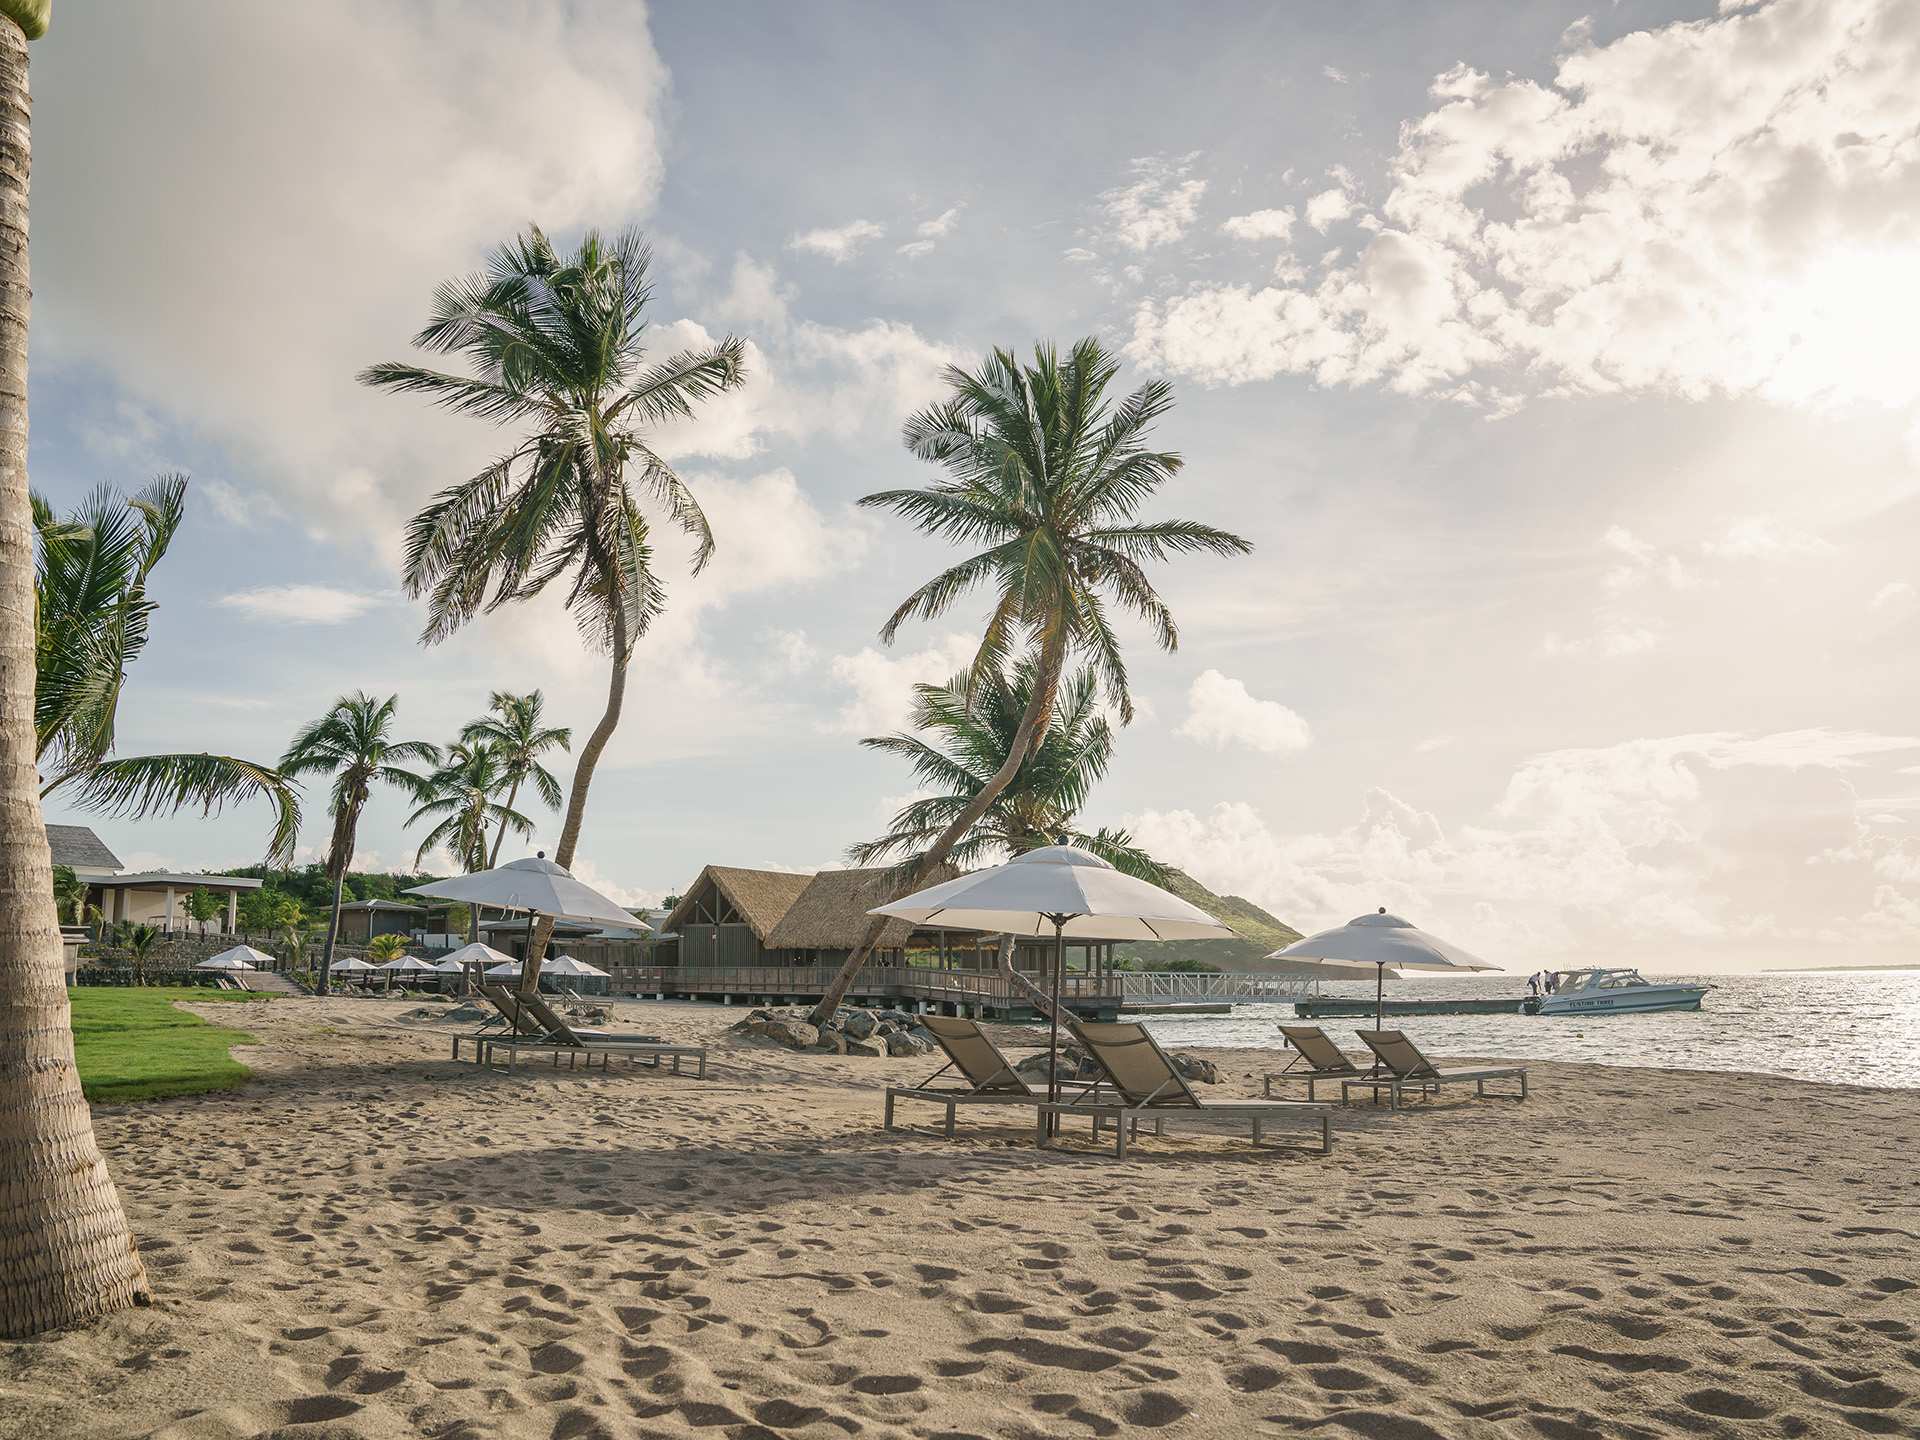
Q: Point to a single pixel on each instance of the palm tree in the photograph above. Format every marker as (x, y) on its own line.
(556, 344)
(138, 941)
(461, 803)
(70, 893)
(66, 1254)
(91, 618)
(353, 742)
(382, 948)
(966, 728)
(515, 731)
(1044, 477)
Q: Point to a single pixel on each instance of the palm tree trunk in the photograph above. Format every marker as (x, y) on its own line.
(499, 835)
(577, 797)
(66, 1255)
(1026, 989)
(333, 930)
(346, 830)
(1033, 727)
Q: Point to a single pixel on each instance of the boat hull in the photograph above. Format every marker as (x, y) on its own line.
(1677, 997)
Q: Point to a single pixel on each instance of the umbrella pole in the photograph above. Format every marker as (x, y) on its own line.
(1053, 1027)
(1379, 996)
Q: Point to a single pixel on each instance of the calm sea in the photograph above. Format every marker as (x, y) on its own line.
(1860, 1028)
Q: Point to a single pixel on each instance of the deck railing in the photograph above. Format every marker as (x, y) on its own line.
(905, 982)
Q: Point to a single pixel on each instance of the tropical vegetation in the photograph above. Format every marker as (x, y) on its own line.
(139, 1045)
(1045, 475)
(515, 729)
(354, 744)
(383, 948)
(92, 613)
(458, 802)
(556, 345)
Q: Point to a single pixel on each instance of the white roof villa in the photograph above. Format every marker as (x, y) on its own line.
(151, 897)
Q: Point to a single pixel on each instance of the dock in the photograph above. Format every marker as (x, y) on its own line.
(1218, 1007)
(1319, 1009)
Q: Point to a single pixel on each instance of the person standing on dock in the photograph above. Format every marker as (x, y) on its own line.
(1533, 985)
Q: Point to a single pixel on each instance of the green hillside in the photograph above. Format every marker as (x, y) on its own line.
(1260, 934)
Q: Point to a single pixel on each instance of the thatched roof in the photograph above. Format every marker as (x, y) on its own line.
(761, 896)
(831, 913)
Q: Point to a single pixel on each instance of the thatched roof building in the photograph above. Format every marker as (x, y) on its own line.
(831, 913)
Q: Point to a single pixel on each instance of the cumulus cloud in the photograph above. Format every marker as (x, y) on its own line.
(1729, 205)
(1157, 208)
(1260, 225)
(881, 684)
(1328, 208)
(839, 243)
(1588, 851)
(941, 224)
(304, 604)
(1221, 713)
(1895, 595)
(1761, 537)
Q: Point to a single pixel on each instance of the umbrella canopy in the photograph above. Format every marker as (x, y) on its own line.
(1064, 892)
(512, 967)
(1088, 897)
(240, 957)
(1374, 944)
(537, 886)
(350, 963)
(567, 965)
(475, 954)
(405, 962)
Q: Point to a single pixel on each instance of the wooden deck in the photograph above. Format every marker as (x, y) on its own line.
(983, 994)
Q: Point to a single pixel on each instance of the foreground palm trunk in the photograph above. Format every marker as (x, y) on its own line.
(66, 1255)
(1033, 725)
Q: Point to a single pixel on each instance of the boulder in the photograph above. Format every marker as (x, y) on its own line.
(795, 1034)
(860, 1047)
(1192, 1067)
(832, 1042)
(901, 1043)
(858, 1024)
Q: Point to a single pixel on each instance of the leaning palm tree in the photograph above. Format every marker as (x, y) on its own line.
(515, 730)
(66, 1255)
(1044, 478)
(353, 742)
(458, 797)
(964, 730)
(556, 344)
(91, 617)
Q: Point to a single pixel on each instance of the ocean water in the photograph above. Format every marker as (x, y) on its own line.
(1858, 1028)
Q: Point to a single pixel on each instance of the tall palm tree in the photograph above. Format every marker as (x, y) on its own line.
(966, 728)
(460, 802)
(515, 729)
(66, 1255)
(1044, 478)
(91, 617)
(556, 344)
(353, 742)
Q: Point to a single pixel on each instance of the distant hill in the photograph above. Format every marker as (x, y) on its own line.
(1260, 934)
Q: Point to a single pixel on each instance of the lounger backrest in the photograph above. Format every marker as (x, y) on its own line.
(519, 1016)
(974, 1055)
(1135, 1064)
(549, 1018)
(1397, 1053)
(1318, 1048)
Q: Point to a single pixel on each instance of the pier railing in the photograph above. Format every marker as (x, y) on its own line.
(892, 982)
(1237, 987)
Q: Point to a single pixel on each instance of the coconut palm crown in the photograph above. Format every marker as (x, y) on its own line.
(515, 730)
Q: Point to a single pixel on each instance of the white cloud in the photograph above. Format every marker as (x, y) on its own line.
(914, 249)
(1328, 208)
(244, 508)
(1158, 207)
(1220, 712)
(941, 224)
(1761, 537)
(1335, 74)
(463, 124)
(304, 604)
(882, 684)
(1078, 255)
(1260, 225)
(838, 243)
(1896, 594)
(792, 650)
(1662, 843)
(1729, 205)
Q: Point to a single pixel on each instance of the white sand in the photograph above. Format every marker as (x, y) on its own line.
(370, 1242)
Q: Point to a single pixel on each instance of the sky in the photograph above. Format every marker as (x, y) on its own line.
(1561, 362)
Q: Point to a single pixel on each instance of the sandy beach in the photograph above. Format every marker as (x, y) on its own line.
(369, 1241)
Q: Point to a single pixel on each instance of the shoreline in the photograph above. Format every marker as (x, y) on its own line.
(366, 1243)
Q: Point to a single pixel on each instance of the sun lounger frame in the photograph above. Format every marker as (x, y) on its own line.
(632, 1051)
(1170, 1098)
(1315, 1071)
(537, 1027)
(1416, 1072)
(996, 1083)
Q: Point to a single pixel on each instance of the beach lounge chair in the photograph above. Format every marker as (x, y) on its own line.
(1403, 1067)
(989, 1076)
(538, 1029)
(1316, 1058)
(1140, 1082)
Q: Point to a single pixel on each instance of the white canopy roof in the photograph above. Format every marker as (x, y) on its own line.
(567, 965)
(1023, 897)
(351, 963)
(475, 954)
(405, 962)
(240, 957)
(1367, 943)
(537, 885)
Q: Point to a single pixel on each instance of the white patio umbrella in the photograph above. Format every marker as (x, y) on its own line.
(405, 962)
(1374, 944)
(1063, 891)
(567, 965)
(352, 963)
(474, 954)
(240, 957)
(537, 886)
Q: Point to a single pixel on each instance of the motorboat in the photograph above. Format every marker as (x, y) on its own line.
(1597, 991)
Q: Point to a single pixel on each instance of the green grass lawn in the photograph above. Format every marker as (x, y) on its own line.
(133, 1044)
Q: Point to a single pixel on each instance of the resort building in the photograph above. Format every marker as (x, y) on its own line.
(424, 925)
(154, 897)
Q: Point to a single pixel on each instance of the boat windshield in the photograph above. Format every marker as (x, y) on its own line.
(1567, 980)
